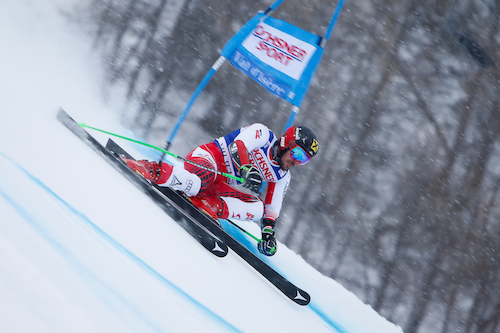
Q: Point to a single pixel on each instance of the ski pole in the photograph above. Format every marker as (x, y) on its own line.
(83, 125)
(246, 232)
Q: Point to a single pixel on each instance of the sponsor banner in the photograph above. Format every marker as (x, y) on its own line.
(279, 56)
(279, 50)
(272, 84)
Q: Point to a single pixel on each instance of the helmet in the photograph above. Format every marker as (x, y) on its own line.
(301, 136)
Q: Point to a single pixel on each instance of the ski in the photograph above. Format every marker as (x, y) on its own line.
(290, 290)
(182, 215)
(296, 294)
(197, 223)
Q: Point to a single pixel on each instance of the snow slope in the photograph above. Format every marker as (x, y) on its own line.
(82, 250)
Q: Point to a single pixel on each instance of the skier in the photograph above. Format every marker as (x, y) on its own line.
(253, 153)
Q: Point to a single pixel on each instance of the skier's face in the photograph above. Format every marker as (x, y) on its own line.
(287, 161)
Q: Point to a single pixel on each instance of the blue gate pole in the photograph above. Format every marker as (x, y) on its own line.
(335, 16)
(295, 111)
(334, 19)
(198, 90)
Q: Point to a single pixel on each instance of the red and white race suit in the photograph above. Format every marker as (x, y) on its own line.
(258, 141)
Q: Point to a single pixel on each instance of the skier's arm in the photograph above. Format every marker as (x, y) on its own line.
(251, 137)
(239, 153)
(273, 202)
(274, 197)
(250, 174)
(254, 136)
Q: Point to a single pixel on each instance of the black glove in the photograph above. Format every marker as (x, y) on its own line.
(268, 245)
(253, 180)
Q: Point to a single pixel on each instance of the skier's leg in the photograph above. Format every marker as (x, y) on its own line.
(180, 179)
(209, 157)
(244, 211)
(238, 205)
(212, 205)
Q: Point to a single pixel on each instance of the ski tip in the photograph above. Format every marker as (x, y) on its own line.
(220, 249)
(302, 298)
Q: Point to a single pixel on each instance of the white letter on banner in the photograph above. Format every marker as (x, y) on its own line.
(279, 50)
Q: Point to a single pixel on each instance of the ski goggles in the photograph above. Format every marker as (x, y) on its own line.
(299, 154)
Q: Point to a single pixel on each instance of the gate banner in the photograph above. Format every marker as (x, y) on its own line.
(279, 56)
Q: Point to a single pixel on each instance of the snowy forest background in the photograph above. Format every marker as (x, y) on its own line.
(403, 197)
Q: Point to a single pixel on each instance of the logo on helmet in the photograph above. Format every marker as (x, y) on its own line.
(315, 146)
(297, 133)
(283, 142)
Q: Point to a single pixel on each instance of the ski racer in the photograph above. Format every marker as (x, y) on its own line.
(253, 153)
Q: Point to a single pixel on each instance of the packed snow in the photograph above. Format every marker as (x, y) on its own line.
(83, 250)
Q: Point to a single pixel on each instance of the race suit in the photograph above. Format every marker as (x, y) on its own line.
(258, 140)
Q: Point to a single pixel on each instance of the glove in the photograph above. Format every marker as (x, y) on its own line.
(251, 175)
(268, 245)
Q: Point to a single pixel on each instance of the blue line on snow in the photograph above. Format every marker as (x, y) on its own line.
(101, 288)
(115, 244)
(326, 318)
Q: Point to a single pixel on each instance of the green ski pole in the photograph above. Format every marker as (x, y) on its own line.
(83, 125)
(246, 232)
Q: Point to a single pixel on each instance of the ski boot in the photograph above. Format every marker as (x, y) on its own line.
(150, 170)
(213, 206)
